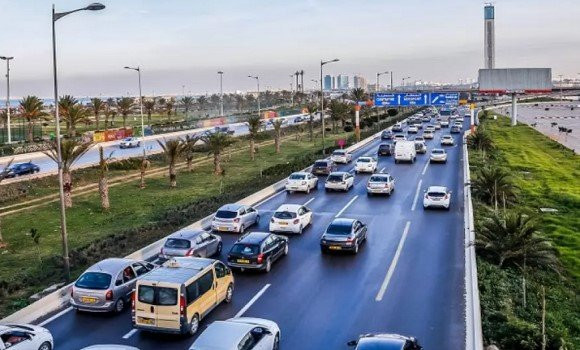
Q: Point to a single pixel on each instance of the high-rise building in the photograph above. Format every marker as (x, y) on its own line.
(327, 82)
(342, 82)
(333, 82)
(359, 82)
(489, 39)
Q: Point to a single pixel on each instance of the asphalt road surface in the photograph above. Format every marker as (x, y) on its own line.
(408, 278)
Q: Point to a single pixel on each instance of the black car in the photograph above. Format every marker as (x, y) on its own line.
(323, 167)
(386, 149)
(397, 128)
(386, 135)
(257, 251)
(19, 169)
(385, 342)
(343, 234)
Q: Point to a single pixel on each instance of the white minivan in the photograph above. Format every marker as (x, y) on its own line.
(405, 151)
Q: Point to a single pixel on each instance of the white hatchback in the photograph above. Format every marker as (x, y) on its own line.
(291, 218)
(341, 156)
(239, 333)
(366, 165)
(381, 184)
(301, 181)
(437, 197)
(25, 337)
(412, 129)
(447, 140)
(339, 180)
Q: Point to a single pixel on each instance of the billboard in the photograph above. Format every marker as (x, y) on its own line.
(515, 80)
(383, 99)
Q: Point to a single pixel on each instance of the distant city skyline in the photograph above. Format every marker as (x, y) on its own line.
(180, 45)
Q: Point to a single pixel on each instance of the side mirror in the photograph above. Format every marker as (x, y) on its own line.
(352, 343)
(118, 283)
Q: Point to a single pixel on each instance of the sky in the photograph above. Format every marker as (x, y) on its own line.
(181, 44)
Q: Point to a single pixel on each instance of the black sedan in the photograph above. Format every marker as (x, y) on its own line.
(385, 342)
(19, 169)
(386, 135)
(386, 149)
(257, 251)
(343, 234)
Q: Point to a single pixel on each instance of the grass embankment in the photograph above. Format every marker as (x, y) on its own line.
(547, 176)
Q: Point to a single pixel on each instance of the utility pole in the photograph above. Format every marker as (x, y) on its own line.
(7, 59)
(221, 94)
(322, 63)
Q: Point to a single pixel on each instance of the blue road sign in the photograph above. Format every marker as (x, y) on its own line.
(444, 98)
(416, 99)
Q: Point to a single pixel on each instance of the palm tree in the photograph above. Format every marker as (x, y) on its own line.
(493, 184)
(189, 149)
(149, 106)
(172, 150)
(240, 102)
(217, 143)
(64, 104)
(480, 140)
(337, 112)
(2, 177)
(358, 95)
(74, 115)
(169, 108)
(97, 105)
(103, 183)
(71, 150)
(277, 133)
(202, 102)
(187, 102)
(254, 125)
(512, 239)
(125, 106)
(312, 109)
(143, 166)
(3, 117)
(31, 109)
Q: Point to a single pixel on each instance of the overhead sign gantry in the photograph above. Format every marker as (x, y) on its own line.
(385, 99)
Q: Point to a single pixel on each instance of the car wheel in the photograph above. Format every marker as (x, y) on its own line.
(229, 294)
(119, 305)
(276, 345)
(242, 228)
(300, 230)
(286, 248)
(193, 325)
(45, 346)
(268, 265)
(219, 248)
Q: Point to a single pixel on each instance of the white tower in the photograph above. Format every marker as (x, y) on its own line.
(489, 41)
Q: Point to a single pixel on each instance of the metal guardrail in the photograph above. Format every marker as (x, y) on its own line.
(473, 329)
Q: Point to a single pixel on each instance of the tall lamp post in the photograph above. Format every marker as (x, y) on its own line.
(138, 70)
(55, 17)
(257, 82)
(392, 87)
(221, 74)
(378, 75)
(322, 63)
(7, 59)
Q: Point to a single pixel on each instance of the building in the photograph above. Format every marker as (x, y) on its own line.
(360, 82)
(333, 83)
(327, 82)
(489, 39)
(342, 82)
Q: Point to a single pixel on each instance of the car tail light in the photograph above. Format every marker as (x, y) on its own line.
(237, 220)
(133, 301)
(182, 305)
(446, 196)
(109, 295)
(189, 252)
(272, 220)
(260, 258)
(296, 221)
(426, 196)
(161, 252)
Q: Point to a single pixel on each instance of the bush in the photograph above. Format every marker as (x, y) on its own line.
(348, 128)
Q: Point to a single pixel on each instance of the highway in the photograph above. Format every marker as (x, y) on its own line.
(408, 278)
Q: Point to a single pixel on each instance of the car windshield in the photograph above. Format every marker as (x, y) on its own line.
(334, 178)
(384, 146)
(436, 194)
(245, 249)
(438, 151)
(320, 164)
(376, 178)
(297, 177)
(284, 215)
(128, 139)
(338, 229)
(177, 243)
(338, 153)
(226, 214)
(364, 160)
(94, 280)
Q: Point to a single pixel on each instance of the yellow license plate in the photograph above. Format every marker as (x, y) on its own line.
(283, 223)
(335, 247)
(89, 300)
(223, 228)
(147, 321)
(243, 261)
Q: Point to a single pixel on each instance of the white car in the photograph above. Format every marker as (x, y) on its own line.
(339, 180)
(444, 123)
(438, 155)
(412, 129)
(130, 142)
(428, 134)
(239, 333)
(437, 197)
(437, 126)
(366, 165)
(399, 137)
(430, 128)
(290, 218)
(381, 184)
(301, 181)
(447, 140)
(341, 156)
(234, 218)
(25, 337)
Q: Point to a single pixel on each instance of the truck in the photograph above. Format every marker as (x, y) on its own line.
(405, 151)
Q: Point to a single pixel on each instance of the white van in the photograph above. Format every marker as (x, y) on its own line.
(405, 151)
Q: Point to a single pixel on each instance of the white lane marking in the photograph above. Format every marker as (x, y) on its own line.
(252, 301)
(308, 201)
(346, 206)
(416, 195)
(425, 168)
(48, 320)
(391, 270)
(131, 333)
(383, 169)
(267, 199)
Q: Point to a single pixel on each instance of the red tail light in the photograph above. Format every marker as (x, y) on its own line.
(237, 220)
(133, 301)
(189, 252)
(446, 196)
(182, 305)
(296, 221)
(109, 295)
(260, 258)
(426, 196)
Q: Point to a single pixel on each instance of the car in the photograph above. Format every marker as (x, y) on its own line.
(455, 129)
(343, 235)
(419, 125)
(380, 184)
(412, 129)
(420, 146)
(437, 197)
(419, 139)
(341, 156)
(107, 285)
(130, 142)
(298, 119)
(323, 167)
(437, 125)
(444, 123)
(247, 333)
(25, 337)
(301, 181)
(447, 140)
(193, 243)
(110, 347)
(386, 135)
(386, 149)
(291, 218)
(426, 119)
(257, 250)
(19, 169)
(405, 151)
(399, 137)
(339, 180)
(438, 155)
(385, 342)
(234, 218)
(428, 134)
(365, 165)
(430, 128)
(397, 127)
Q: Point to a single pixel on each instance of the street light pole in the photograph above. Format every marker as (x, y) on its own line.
(7, 59)
(221, 93)
(257, 82)
(138, 70)
(377, 84)
(322, 63)
(55, 17)
(392, 87)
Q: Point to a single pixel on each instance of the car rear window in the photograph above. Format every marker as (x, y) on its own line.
(363, 160)
(94, 280)
(157, 295)
(436, 194)
(335, 178)
(284, 215)
(438, 151)
(338, 153)
(385, 146)
(320, 163)
(245, 249)
(177, 243)
(378, 179)
(226, 214)
(335, 229)
(297, 177)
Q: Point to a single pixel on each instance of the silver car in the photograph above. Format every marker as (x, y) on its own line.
(195, 243)
(234, 218)
(106, 286)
